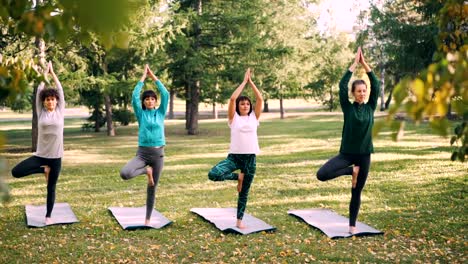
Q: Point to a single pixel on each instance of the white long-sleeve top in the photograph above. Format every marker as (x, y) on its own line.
(50, 125)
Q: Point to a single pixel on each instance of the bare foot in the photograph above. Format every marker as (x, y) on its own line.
(354, 176)
(147, 222)
(239, 224)
(352, 230)
(46, 172)
(48, 221)
(149, 172)
(240, 179)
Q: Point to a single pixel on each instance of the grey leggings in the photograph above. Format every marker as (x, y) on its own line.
(145, 156)
(340, 165)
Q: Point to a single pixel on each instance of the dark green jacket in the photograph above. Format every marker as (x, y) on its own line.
(358, 118)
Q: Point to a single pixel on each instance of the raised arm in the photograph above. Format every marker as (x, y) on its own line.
(61, 102)
(258, 98)
(162, 91)
(374, 83)
(38, 99)
(136, 102)
(235, 94)
(344, 91)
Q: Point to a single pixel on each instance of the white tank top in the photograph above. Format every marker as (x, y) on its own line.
(244, 134)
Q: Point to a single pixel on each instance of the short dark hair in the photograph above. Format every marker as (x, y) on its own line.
(146, 94)
(48, 92)
(357, 82)
(243, 98)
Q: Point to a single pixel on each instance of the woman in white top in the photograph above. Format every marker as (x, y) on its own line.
(50, 107)
(243, 121)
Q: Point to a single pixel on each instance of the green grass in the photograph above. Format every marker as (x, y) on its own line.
(414, 193)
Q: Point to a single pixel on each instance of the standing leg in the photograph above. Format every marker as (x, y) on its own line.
(364, 164)
(223, 170)
(28, 166)
(157, 164)
(55, 166)
(336, 166)
(249, 168)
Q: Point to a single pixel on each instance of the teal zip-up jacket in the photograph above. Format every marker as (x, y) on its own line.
(358, 118)
(150, 122)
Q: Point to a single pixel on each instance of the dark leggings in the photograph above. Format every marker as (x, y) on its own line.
(33, 165)
(340, 165)
(224, 171)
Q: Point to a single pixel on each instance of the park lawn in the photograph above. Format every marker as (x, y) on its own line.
(414, 193)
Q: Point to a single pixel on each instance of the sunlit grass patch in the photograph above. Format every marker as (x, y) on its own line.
(414, 193)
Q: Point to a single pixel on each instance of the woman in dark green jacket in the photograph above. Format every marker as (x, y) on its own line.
(356, 142)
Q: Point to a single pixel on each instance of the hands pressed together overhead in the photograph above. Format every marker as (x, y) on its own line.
(359, 59)
(248, 77)
(148, 72)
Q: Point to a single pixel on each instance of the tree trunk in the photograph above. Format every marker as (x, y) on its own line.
(215, 108)
(390, 94)
(382, 90)
(110, 123)
(331, 99)
(265, 106)
(40, 53)
(281, 107)
(195, 84)
(194, 99)
(97, 127)
(171, 104)
(449, 112)
(187, 106)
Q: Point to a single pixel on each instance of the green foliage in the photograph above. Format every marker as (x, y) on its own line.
(332, 58)
(123, 116)
(57, 20)
(443, 86)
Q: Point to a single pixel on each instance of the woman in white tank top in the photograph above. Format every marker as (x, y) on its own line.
(243, 121)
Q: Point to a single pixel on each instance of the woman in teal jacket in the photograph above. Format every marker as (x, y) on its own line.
(149, 158)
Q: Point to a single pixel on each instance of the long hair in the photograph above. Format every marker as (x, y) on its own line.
(146, 94)
(243, 98)
(355, 83)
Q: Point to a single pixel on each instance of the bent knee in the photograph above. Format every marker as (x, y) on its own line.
(321, 175)
(125, 174)
(16, 173)
(213, 176)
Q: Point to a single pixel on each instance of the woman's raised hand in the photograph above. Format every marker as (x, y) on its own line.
(361, 57)
(363, 62)
(50, 69)
(151, 74)
(143, 77)
(246, 75)
(357, 58)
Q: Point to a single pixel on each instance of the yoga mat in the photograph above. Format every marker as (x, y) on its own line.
(225, 220)
(131, 218)
(332, 224)
(61, 214)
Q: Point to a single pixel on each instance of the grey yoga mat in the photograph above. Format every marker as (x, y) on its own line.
(331, 223)
(61, 214)
(225, 220)
(131, 218)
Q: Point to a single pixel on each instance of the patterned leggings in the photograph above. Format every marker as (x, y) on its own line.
(224, 171)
